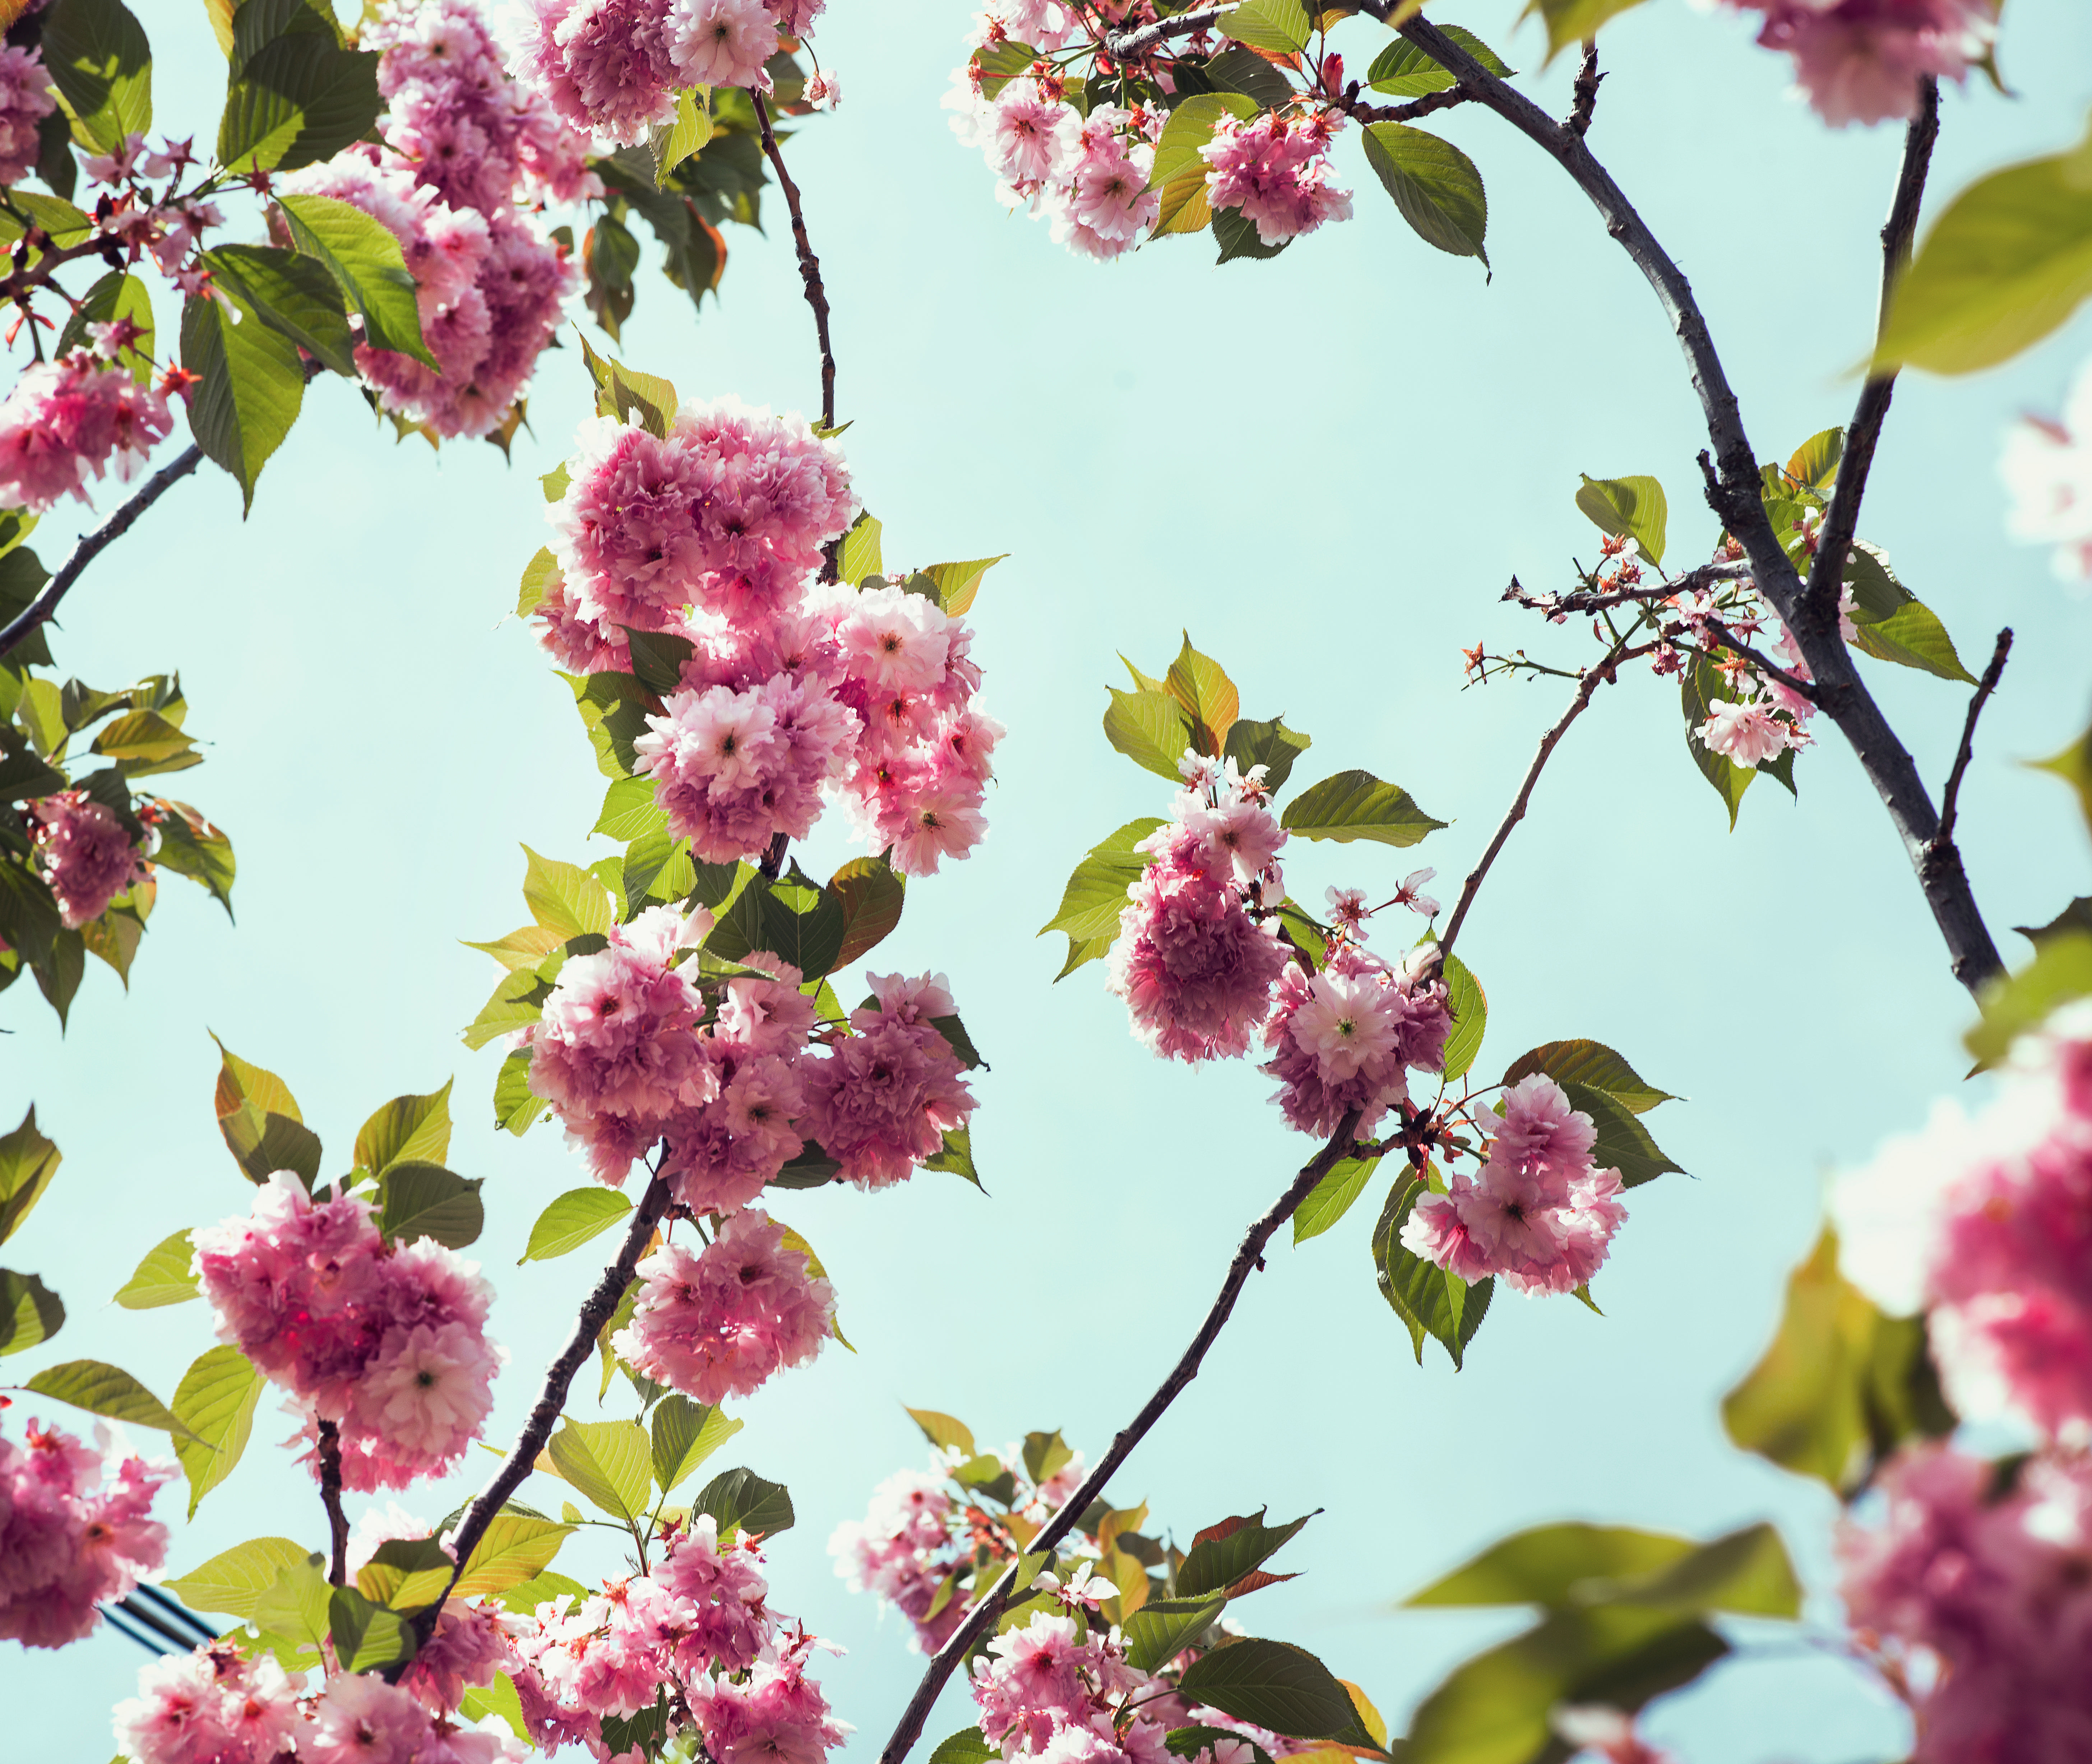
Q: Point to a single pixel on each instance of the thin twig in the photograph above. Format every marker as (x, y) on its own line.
(1735, 495)
(1351, 105)
(809, 265)
(330, 1456)
(1693, 581)
(93, 543)
(1586, 101)
(981, 1619)
(595, 1311)
(1793, 683)
(1129, 45)
(1606, 669)
(1950, 802)
(1826, 577)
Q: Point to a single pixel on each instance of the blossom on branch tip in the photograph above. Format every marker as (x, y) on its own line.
(76, 1529)
(1276, 172)
(65, 420)
(1344, 1039)
(83, 852)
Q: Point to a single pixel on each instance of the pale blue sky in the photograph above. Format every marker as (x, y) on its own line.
(1327, 467)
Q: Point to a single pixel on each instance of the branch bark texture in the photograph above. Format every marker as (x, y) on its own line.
(1733, 491)
(329, 1447)
(809, 265)
(1248, 1255)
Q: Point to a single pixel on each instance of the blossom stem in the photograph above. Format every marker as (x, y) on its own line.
(1248, 1255)
(595, 1311)
(1729, 640)
(330, 1457)
(1734, 491)
(809, 265)
(1826, 576)
(1950, 801)
(1606, 669)
(92, 545)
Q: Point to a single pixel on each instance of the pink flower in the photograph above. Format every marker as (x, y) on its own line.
(885, 1097)
(894, 640)
(1343, 1040)
(1278, 173)
(426, 1394)
(776, 1716)
(722, 1322)
(723, 1593)
(2046, 466)
(1860, 61)
(1028, 135)
(721, 42)
(1101, 204)
(1745, 731)
(76, 1528)
(824, 91)
(83, 853)
(25, 100)
(210, 1706)
(606, 67)
(65, 420)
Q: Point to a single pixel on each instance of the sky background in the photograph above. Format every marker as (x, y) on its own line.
(1326, 467)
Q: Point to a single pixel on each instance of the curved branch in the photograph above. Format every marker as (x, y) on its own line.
(328, 1449)
(809, 265)
(1249, 1255)
(1733, 491)
(1129, 46)
(1950, 801)
(92, 545)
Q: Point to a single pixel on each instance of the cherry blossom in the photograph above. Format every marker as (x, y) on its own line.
(1860, 61)
(76, 1528)
(1276, 171)
(66, 421)
(83, 854)
(882, 1101)
(25, 100)
(1343, 1039)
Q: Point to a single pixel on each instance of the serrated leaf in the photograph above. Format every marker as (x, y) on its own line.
(409, 1129)
(1272, 1683)
(1270, 744)
(572, 1220)
(366, 1636)
(1281, 26)
(1429, 1300)
(518, 1000)
(689, 132)
(1096, 892)
(364, 257)
(969, 1745)
(629, 395)
(1913, 636)
(1469, 1007)
(564, 897)
(249, 385)
(1623, 1144)
(743, 1500)
(945, 1431)
(116, 295)
(423, 1200)
(296, 101)
(1224, 1554)
(295, 1605)
(541, 575)
(1569, 22)
(405, 1573)
(1150, 728)
(30, 1313)
(1628, 508)
(1698, 683)
(1404, 70)
(629, 811)
(292, 295)
(609, 1461)
(165, 1277)
(872, 893)
(2012, 1004)
(1211, 703)
(215, 1401)
(685, 1434)
(1593, 1065)
(101, 1389)
(1162, 1628)
(1331, 1198)
(859, 555)
(515, 1549)
(958, 584)
(27, 1164)
(1435, 186)
(97, 55)
(1357, 805)
(233, 1581)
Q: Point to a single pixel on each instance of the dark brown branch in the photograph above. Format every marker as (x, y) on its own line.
(1130, 45)
(1950, 801)
(809, 265)
(981, 1619)
(1693, 581)
(1586, 100)
(1606, 669)
(1350, 104)
(1764, 664)
(595, 1311)
(329, 1449)
(1826, 577)
(92, 545)
(1734, 493)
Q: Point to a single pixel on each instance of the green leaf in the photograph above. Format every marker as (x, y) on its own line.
(260, 1121)
(1548, 1565)
(565, 898)
(1270, 744)
(959, 584)
(116, 295)
(2009, 261)
(967, 1746)
(1281, 26)
(1163, 1628)
(215, 1401)
(1357, 805)
(1469, 1007)
(2075, 917)
(144, 742)
(28, 1162)
(364, 257)
(97, 55)
(105, 1390)
(1628, 508)
(630, 395)
(1429, 1300)
(515, 1549)
(296, 101)
(1097, 893)
(2061, 972)
(794, 917)
(497, 1698)
(405, 1573)
(1699, 684)
(1841, 1385)
(165, 1277)
(1331, 1198)
(1911, 636)
(292, 295)
(518, 1000)
(629, 811)
(235, 1581)
(960, 1043)
(1569, 22)
(1623, 1144)
(1149, 728)
(692, 128)
(30, 1312)
(1404, 70)
(1814, 463)
(366, 1635)
(945, 1431)
(423, 1200)
(859, 555)
(1435, 186)
(872, 893)
(608, 1461)
(686, 1433)
(190, 846)
(1225, 1553)
(743, 1500)
(658, 657)
(408, 1129)
(1237, 236)
(296, 1607)
(1001, 62)
(249, 385)
(1272, 1683)
(1592, 1065)
(572, 1220)
(1211, 703)
(1189, 127)
(541, 574)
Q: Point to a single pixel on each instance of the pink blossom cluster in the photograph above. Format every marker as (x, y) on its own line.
(68, 419)
(1087, 175)
(1346, 1038)
(25, 100)
(1971, 1588)
(2009, 1287)
(385, 1342)
(2046, 466)
(76, 1528)
(794, 690)
(1538, 1213)
(217, 1706)
(719, 1323)
(700, 1628)
(613, 68)
(1860, 61)
(882, 1102)
(83, 854)
(1195, 969)
(1276, 171)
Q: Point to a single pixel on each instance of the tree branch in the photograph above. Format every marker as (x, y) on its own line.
(1604, 670)
(1826, 578)
(92, 545)
(1130, 45)
(595, 1311)
(1586, 100)
(1734, 492)
(982, 1618)
(1693, 581)
(1350, 104)
(330, 1456)
(1950, 801)
(809, 265)
(1763, 663)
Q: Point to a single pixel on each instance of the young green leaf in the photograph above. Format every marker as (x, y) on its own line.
(609, 1461)
(1469, 1007)
(1096, 893)
(685, 1434)
(364, 259)
(1435, 186)
(943, 1431)
(97, 55)
(1569, 22)
(106, 1390)
(408, 1129)
(1331, 1198)
(872, 893)
(1163, 1628)
(1628, 508)
(740, 1498)
(515, 1548)
(294, 101)
(572, 1220)
(1270, 744)
(1429, 1300)
(1150, 728)
(1357, 805)
(1404, 70)
(234, 1581)
(422, 1200)
(215, 1401)
(250, 384)
(1281, 26)
(30, 1313)
(166, 1276)
(27, 1164)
